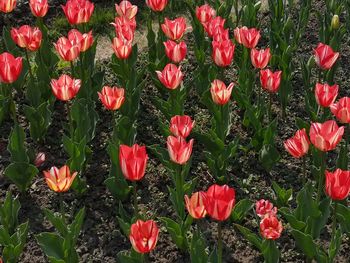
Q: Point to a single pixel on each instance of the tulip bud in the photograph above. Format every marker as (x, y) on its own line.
(335, 22)
(270, 81)
(325, 57)
(341, 110)
(122, 47)
(176, 52)
(112, 98)
(181, 125)
(338, 184)
(179, 150)
(65, 88)
(7, 6)
(326, 136)
(220, 93)
(39, 159)
(298, 145)
(10, 69)
(144, 236)
(195, 205)
(171, 76)
(133, 161)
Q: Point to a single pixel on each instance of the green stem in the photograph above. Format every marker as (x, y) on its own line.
(72, 68)
(270, 107)
(304, 180)
(334, 225)
(321, 176)
(12, 105)
(136, 208)
(219, 243)
(60, 197)
(179, 182)
(29, 67)
(145, 258)
(69, 119)
(222, 124)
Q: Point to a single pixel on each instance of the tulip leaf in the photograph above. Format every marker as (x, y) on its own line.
(197, 248)
(162, 155)
(175, 232)
(343, 216)
(250, 236)
(52, 245)
(57, 222)
(283, 196)
(343, 157)
(21, 174)
(306, 207)
(9, 213)
(240, 210)
(270, 251)
(292, 220)
(315, 225)
(334, 245)
(305, 243)
(124, 226)
(269, 156)
(76, 225)
(16, 145)
(127, 257)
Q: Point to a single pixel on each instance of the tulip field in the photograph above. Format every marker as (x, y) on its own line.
(174, 131)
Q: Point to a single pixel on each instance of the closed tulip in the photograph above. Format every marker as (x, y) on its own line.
(325, 57)
(84, 41)
(271, 227)
(174, 29)
(39, 159)
(67, 49)
(125, 28)
(133, 161)
(221, 34)
(65, 88)
(78, 11)
(220, 93)
(205, 13)
(264, 208)
(325, 94)
(341, 110)
(179, 150)
(326, 136)
(181, 125)
(39, 8)
(219, 201)
(260, 58)
(122, 47)
(59, 179)
(10, 68)
(171, 76)
(213, 24)
(338, 184)
(144, 236)
(223, 52)
(176, 52)
(7, 6)
(270, 81)
(248, 37)
(157, 5)
(298, 145)
(126, 9)
(195, 205)
(27, 37)
(112, 98)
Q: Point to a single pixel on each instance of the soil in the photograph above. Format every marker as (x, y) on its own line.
(101, 238)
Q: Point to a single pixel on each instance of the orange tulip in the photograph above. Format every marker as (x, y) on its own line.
(195, 205)
(59, 180)
(112, 98)
(39, 8)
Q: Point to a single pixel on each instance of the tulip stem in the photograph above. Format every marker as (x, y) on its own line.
(72, 68)
(334, 225)
(70, 124)
(219, 243)
(321, 176)
(270, 107)
(136, 209)
(179, 182)
(60, 197)
(29, 67)
(12, 106)
(304, 171)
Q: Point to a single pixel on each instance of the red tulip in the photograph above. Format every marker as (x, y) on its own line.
(220, 93)
(223, 53)
(325, 136)
(195, 205)
(157, 5)
(78, 11)
(112, 98)
(298, 145)
(39, 8)
(125, 28)
(59, 179)
(205, 13)
(179, 150)
(249, 37)
(67, 49)
(221, 34)
(171, 76)
(174, 29)
(181, 125)
(27, 37)
(133, 161)
(10, 68)
(326, 94)
(271, 227)
(7, 6)
(176, 52)
(341, 110)
(325, 57)
(260, 58)
(144, 236)
(65, 88)
(219, 201)
(84, 41)
(269, 80)
(213, 24)
(338, 184)
(122, 47)
(264, 208)
(39, 159)
(126, 9)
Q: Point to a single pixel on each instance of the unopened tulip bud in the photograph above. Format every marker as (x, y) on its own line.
(335, 22)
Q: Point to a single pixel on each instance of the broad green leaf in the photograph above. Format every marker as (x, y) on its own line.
(21, 174)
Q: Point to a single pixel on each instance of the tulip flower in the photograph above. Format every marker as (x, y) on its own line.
(133, 161)
(248, 37)
(122, 47)
(174, 29)
(144, 236)
(68, 49)
(271, 227)
(65, 88)
(325, 57)
(157, 5)
(83, 40)
(171, 76)
(338, 184)
(341, 110)
(325, 94)
(39, 8)
(325, 136)
(205, 13)
(265, 208)
(298, 145)
(27, 37)
(112, 98)
(39, 159)
(260, 58)
(125, 28)
(223, 53)
(220, 93)
(221, 34)
(213, 24)
(126, 9)
(269, 80)
(59, 179)
(181, 125)
(179, 150)
(195, 205)
(7, 6)
(10, 68)
(219, 201)
(78, 11)
(176, 52)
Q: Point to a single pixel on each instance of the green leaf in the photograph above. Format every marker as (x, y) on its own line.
(305, 243)
(57, 222)
(240, 210)
(250, 236)
(124, 226)
(197, 248)
(270, 251)
(269, 156)
(52, 245)
(162, 155)
(343, 217)
(283, 196)
(127, 257)
(175, 232)
(16, 145)
(21, 174)
(292, 220)
(335, 245)
(76, 225)
(9, 213)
